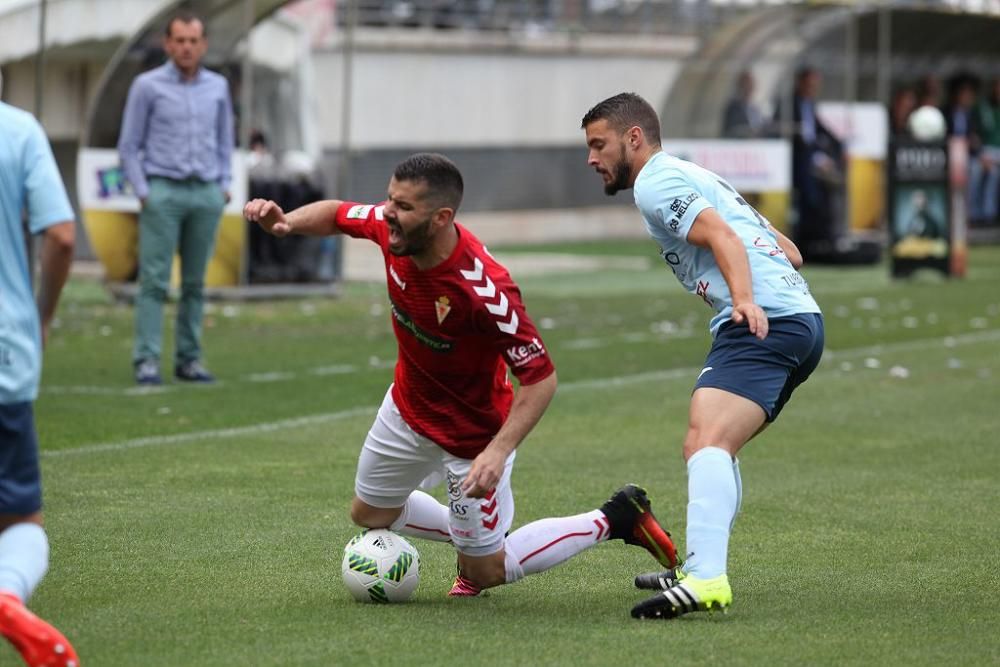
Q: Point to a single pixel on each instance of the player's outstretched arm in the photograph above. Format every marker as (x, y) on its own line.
(711, 231)
(788, 247)
(56, 258)
(316, 219)
(529, 405)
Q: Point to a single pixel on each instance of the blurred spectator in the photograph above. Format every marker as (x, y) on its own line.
(904, 102)
(984, 193)
(260, 153)
(929, 91)
(817, 170)
(292, 183)
(743, 118)
(959, 111)
(963, 123)
(264, 183)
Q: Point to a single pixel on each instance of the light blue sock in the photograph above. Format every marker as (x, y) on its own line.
(739, 492)
(712, 500)
(24, 558)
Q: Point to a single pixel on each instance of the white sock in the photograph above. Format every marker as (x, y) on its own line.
(24, 558)
(424, 517)
(512, 566)
(543, 544)
(739, 491)
(710, 511)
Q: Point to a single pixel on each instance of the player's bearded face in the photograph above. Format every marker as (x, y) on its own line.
(409, 215)
(411, 240)
(608, 156)
(619, 175)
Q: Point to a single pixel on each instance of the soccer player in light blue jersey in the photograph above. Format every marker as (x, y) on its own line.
(29, 181)
(767, 330)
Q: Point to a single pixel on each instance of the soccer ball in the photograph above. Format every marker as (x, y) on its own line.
(927, 124)
(380, 566)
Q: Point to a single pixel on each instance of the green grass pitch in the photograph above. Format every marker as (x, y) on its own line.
(205, 525)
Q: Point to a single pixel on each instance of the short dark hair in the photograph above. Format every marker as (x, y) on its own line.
(186, 16)
(803, 72)
(444, 181)
(626, 110)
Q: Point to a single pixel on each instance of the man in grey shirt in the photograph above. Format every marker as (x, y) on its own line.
(175, 146)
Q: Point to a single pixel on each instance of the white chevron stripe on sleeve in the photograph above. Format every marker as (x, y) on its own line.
(476, 273)
(499, 308)
(380, 213)
(509, 327)
(488, 291)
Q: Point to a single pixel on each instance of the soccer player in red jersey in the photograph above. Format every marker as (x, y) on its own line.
(460, 325)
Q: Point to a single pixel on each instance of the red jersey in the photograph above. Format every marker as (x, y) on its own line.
(458, 325)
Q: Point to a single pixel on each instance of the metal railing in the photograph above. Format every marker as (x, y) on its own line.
(541, 16)
(600, 16)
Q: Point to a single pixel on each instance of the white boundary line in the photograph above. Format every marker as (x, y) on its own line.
(213, 434)
(594, 383)
(984, 336)
(579, 344)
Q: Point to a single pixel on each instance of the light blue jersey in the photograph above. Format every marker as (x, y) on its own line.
(671, 193)
(29, 180)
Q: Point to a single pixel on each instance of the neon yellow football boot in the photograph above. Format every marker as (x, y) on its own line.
(688, 595)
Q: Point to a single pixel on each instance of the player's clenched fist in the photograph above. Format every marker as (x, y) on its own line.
(268, 215)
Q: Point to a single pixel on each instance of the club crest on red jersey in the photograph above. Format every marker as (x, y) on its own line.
(442, 307)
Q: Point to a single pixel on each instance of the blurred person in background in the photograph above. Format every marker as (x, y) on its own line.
(903, 103)
(985, 191)
(928, 91)
(29, 181)
(264, 182)
(959, 112)
(743, 119)
(175, 146)
(962, 121)
(817, 169)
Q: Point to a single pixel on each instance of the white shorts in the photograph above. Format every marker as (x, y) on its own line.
(396, 459)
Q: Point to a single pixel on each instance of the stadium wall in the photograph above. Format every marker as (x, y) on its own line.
(507, 112)
(457, 93)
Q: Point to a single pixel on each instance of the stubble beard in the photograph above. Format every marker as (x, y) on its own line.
(621, 174)
(415, 241)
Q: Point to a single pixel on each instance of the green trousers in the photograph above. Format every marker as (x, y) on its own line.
(180, 216)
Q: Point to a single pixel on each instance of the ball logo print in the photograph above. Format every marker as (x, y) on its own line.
(380, 566)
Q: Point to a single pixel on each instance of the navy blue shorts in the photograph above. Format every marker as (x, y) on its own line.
(20, 479)
(764, 371)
